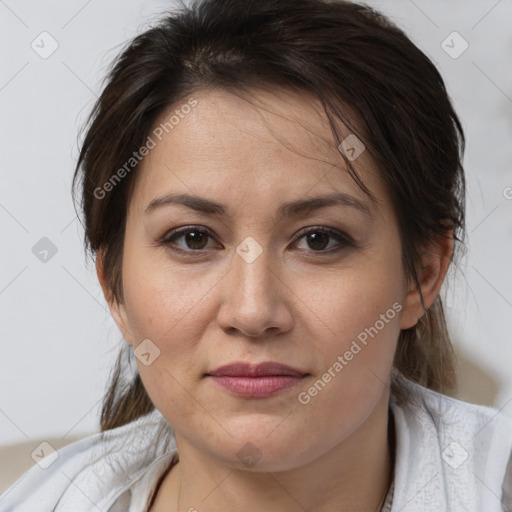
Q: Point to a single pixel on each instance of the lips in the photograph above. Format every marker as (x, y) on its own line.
(263, 380)
(265, 369)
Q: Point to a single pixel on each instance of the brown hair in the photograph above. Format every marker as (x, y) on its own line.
(342, 53)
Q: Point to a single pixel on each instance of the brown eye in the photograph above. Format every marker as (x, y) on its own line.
(318, 239)
(194, 239)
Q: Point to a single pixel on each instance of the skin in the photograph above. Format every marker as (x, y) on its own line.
(295, 303)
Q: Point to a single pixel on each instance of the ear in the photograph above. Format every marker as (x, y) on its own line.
(117, 309)
(435, 260)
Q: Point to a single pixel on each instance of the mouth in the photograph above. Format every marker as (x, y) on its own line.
(256, 381)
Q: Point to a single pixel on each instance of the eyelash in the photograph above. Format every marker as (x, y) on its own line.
(168, 238)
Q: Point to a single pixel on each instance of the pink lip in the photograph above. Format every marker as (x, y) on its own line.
(259, 381)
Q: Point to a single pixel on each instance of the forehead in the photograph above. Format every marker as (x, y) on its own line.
(269, 143)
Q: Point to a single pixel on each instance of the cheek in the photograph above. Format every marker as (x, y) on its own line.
(358, 300)
(355, 369)
(162, 301)
(169, 308)
(357, 337)
(363, 329)
(169, 315)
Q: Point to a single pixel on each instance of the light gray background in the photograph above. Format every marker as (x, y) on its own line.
(58, 341)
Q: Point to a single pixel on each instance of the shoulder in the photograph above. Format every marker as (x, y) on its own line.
(95, 470)
(450, 452)
(453, 417)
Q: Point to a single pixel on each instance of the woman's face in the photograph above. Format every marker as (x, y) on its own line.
(320, 289)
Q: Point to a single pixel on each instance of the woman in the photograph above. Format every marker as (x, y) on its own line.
(274, 193)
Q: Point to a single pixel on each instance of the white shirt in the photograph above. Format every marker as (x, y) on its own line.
(451, 456)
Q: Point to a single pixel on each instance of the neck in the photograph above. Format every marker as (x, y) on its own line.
(353, 475)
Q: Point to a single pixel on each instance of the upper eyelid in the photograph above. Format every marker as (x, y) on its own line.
(332, 231)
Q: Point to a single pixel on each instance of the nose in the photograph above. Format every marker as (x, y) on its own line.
(255, 298)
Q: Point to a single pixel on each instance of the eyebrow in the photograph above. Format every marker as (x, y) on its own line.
(290, 209)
